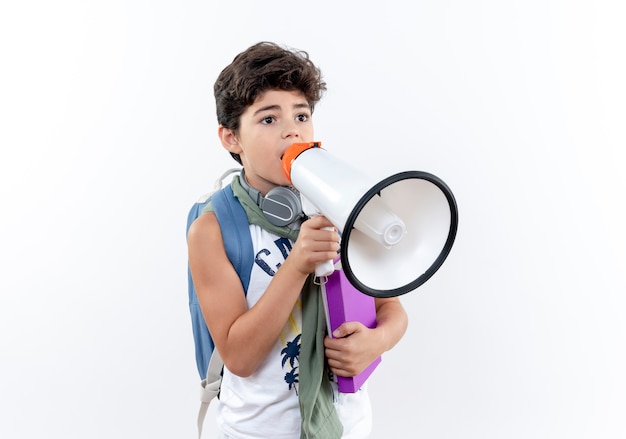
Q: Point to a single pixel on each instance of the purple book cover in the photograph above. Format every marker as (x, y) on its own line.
(344, 303)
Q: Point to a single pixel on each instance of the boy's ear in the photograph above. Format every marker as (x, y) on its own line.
(229, 140)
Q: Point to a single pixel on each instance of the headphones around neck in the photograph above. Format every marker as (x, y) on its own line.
(281, 206)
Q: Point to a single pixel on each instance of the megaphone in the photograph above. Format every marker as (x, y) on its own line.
(395, 233)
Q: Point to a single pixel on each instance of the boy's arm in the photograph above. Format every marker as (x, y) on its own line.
(244, 336)
(355, 346)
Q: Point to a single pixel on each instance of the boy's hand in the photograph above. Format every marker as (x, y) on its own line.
(315, 244)
(353, 348)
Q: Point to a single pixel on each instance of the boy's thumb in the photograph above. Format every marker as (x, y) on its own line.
(346, 329)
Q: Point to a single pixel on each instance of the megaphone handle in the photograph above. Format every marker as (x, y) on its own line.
(324, 269)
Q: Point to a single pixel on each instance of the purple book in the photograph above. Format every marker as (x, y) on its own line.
(344, 303)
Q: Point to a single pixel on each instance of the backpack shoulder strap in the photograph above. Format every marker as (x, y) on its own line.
(235, 232)
(238, 245)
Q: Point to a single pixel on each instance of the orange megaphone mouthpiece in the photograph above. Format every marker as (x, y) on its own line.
(293, 152)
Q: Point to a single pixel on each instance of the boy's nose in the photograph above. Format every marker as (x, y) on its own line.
(291, 131)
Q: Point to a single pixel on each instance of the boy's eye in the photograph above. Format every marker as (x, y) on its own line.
(302, 117)
(268, 120)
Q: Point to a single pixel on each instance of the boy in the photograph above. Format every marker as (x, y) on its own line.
(274, 384)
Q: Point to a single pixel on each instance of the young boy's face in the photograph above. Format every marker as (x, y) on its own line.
(275, 121)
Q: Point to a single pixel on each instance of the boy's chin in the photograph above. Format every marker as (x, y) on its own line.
(282, 181)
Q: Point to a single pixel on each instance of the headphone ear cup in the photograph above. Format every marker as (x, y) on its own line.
(282, 206)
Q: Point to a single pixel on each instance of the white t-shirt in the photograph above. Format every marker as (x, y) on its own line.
(265, 404)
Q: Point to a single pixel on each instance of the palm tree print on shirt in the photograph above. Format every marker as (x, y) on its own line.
(291, 354)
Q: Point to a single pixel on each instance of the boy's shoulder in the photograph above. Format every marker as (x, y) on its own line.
(233, 223)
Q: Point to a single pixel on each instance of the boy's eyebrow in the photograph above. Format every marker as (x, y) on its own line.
(277, 107)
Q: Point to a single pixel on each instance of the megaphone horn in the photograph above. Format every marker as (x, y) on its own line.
(395, 234)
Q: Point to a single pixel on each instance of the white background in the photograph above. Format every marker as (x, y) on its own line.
(108, 135)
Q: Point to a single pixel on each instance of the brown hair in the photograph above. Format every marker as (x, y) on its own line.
(264, 66)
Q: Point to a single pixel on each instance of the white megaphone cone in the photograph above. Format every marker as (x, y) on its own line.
(395, 233)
